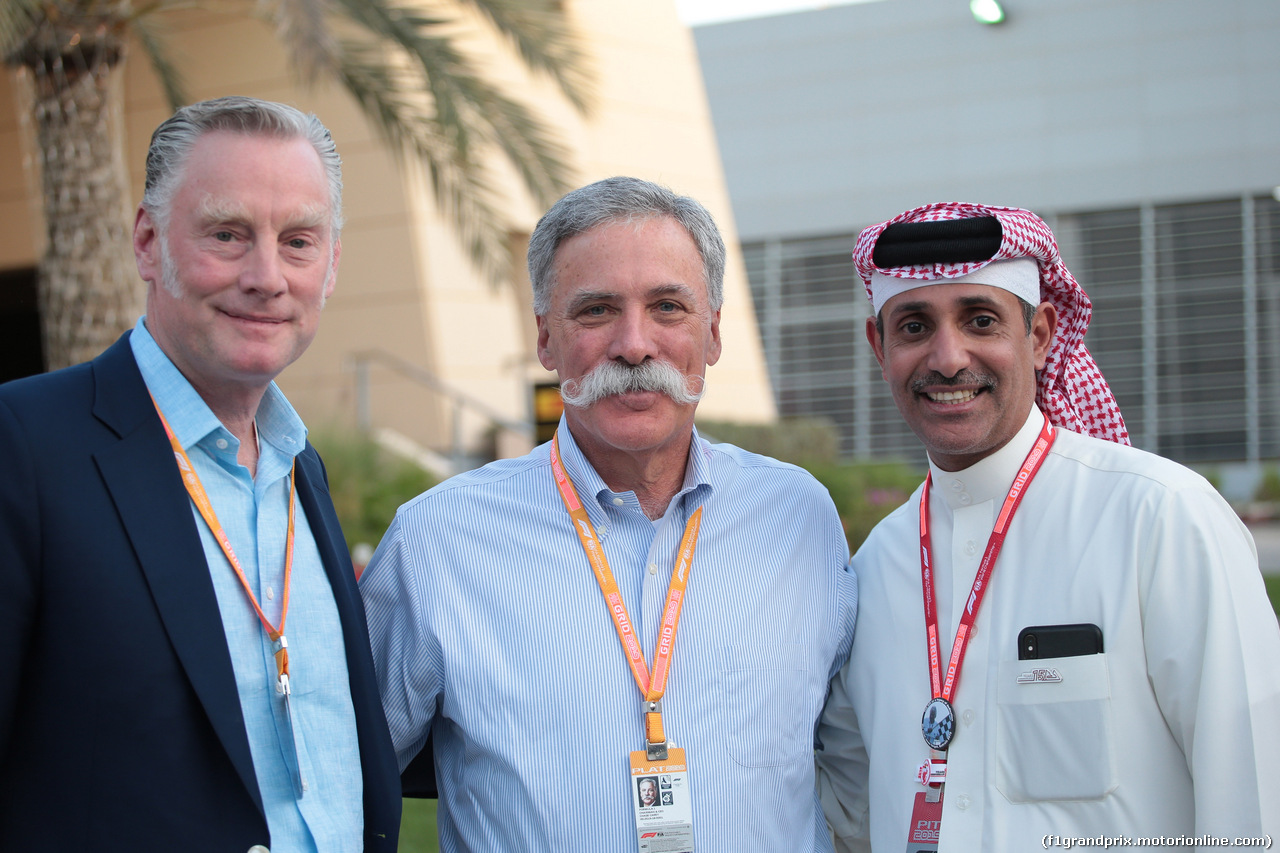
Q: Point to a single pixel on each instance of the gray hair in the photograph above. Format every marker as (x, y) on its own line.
(173, 140)
(621, 199)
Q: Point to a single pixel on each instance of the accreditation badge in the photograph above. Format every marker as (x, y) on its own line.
(660, 797)
(926, 825)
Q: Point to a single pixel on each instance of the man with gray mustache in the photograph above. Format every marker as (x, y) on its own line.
(525, 614)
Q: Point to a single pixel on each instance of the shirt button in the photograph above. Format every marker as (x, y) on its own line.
(967, 716)
(965, 500)
(222, 443)
(956, 485)
(962, 802)
(971, 547)
(653, 568)
(271, 594)
(618, 501)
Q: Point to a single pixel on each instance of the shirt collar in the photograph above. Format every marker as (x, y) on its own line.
(697, 474)
(190, 417)
(990, 478)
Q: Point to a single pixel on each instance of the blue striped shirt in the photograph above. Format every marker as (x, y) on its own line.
(488, 625)
(307, 762)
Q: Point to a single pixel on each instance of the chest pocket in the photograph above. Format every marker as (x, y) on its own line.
(1054, 733)
(770, 715)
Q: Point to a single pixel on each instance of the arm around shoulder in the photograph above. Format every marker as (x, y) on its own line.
(406, 658)
(843, 770)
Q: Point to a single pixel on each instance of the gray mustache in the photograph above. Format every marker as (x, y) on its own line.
(610, 378)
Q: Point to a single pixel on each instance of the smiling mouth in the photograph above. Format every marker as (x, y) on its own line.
(249, 318)
(952, 397)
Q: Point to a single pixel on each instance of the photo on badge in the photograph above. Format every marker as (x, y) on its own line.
(647, 791)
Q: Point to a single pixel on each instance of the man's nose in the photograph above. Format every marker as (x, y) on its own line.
(633, 340)
(948, 352)
(263, 271)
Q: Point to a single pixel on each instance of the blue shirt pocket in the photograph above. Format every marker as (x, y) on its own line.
(770, 710)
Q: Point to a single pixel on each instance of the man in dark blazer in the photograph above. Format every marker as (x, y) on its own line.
(147, 701)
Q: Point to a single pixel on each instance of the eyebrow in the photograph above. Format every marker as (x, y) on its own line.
(964, 301)
(672, 290)
(214, 210)
(661, 290)
(585, 296)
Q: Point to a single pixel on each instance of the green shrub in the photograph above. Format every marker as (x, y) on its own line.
(1272, 583)
(368, 483)
(800, 441)
(865, 492)
(1269, 488)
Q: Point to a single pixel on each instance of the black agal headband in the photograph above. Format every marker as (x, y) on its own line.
(949, 241)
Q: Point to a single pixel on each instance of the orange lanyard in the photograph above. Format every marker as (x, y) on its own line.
(652, 688)
(201, 499)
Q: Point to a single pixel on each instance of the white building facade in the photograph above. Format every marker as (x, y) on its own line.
(1147, 132)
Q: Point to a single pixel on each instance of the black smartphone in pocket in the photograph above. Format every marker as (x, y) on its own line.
(1059, 641)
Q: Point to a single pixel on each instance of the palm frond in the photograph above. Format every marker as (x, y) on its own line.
(18, 20)
(531, 148)
(539, 32)
(390, 99)
(302, 27)
(166, 72)
(465, 104)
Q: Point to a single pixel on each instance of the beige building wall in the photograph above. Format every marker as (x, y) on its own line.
(405, 286)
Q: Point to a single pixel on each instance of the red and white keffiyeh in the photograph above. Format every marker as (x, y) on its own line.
(1070, 389)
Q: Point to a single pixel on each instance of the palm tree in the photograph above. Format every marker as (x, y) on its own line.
(398, 58)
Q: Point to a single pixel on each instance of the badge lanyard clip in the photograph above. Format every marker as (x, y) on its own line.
(282, 665)
(655, 738)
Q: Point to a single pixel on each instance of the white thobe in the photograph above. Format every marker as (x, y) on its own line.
(1174, 730)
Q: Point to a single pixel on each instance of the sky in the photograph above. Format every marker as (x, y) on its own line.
(695, 12)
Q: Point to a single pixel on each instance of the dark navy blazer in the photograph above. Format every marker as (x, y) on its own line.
(120, 724)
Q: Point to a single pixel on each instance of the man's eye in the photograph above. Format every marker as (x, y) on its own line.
(913, 328)
(984, 321)
(668, 307)
(595, 311)
(223, 236)
(298, 243)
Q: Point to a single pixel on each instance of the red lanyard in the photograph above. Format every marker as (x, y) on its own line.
(1031, 465)
(201, 499)
(652, 688)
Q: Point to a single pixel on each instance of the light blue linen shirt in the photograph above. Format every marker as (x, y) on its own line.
(306, 761)
(487, 623)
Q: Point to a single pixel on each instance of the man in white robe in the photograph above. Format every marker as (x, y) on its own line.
(1145, 700)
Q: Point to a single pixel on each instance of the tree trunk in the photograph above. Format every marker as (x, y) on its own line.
(89, 291)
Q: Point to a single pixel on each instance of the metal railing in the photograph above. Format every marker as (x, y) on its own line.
(459, 402)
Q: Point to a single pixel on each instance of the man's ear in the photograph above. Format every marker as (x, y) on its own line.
(545, 354)
(714, 350)
(146, 246)
(877, 342)
(1043, 325)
